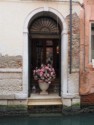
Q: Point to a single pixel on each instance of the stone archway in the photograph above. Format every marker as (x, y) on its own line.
(64, 49)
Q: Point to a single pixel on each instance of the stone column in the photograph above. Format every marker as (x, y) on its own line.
(64, 62)
(25, 64)
(24, 93)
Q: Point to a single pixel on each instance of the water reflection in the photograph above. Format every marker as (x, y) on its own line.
(83, 119)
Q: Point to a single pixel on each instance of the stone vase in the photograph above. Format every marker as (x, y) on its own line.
(43, 86)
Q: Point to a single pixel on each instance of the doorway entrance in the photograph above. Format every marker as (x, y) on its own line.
(29, 34)
(44, 47)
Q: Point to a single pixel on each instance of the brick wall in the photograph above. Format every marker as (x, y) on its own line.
(87, 100)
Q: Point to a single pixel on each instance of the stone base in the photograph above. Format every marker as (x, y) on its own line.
(71, 104)
(9, 102)
(45, 109)
(43, 93)
(43, 86)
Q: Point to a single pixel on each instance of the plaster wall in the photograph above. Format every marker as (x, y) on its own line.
(13, 15)
(86, 68)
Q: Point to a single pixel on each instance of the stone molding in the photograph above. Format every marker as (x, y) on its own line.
(69, 95)
(10, 70)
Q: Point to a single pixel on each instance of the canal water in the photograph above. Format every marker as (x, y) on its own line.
(82, 119)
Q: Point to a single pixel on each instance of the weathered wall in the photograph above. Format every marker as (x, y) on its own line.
(10, 61)
(73, 78)
(10, 82)
(87, 100)
(10, 74)
(13, 15)
(73, 83)
(75, 40)
(86, 68)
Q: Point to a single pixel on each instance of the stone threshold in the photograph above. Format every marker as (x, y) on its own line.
(49, 96)
(50, 99)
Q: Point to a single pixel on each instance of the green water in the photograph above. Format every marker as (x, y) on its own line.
(83, 119)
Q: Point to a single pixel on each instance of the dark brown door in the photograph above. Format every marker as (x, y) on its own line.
(45, 51)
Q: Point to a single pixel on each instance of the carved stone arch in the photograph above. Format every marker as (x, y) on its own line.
(44, 25)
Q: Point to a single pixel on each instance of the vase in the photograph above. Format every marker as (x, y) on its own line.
(43, 86)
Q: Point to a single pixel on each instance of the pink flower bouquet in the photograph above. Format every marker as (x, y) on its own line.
(45, 73)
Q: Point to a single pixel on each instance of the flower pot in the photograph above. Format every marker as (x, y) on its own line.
(43, 86)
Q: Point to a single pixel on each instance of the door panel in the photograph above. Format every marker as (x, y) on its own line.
(44, 51)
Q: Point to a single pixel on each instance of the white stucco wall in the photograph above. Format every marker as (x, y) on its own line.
(12, 16)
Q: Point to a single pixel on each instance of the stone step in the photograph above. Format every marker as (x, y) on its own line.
(32, 102)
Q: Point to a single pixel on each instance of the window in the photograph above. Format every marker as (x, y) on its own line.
(92, 41)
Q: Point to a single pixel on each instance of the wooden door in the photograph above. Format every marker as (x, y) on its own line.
(45, 51)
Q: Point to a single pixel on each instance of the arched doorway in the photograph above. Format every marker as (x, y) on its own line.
(64, 47)
(45, 47)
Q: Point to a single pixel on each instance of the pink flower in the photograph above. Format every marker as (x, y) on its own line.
(41, 73)
(45, 73)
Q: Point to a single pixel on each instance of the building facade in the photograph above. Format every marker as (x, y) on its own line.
(35, 32)
(86, 55)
